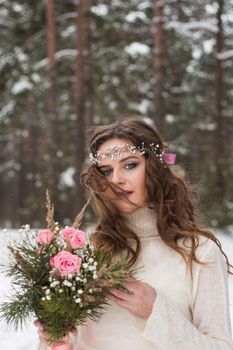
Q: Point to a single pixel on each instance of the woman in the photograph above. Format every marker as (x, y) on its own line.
(144, 209)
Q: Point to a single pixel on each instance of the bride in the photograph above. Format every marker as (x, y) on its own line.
(145, 211)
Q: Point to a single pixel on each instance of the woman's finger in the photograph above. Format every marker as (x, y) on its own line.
(74, 331)
(121, 293)
(38, 325)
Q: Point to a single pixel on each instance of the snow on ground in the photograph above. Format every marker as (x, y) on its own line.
(27, 339)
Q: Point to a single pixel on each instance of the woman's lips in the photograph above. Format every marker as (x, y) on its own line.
(127, 193)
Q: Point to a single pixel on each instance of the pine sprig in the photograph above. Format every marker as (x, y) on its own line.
(17, 310)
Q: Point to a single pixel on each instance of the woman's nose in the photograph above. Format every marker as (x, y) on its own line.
(117, 177)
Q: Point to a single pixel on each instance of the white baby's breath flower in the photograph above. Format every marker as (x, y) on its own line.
(67, 283)
(47, 291)
(78, 300)
(80, 291)
(43, 298)
(48, 297)
(60, 290)
(85, 265)
(91, 260)
(84, 280)
(77, 278)
(88, 311)
(90, 290)
(54, 284)
(94, 276)
(73, 288)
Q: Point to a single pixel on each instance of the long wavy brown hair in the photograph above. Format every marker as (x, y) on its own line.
(167, 191)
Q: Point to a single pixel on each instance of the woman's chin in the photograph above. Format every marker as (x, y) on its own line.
(127, 208)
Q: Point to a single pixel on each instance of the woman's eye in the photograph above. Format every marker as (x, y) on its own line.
(131, 165)
(105, 172)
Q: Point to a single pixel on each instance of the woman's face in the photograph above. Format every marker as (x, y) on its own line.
(127, 172)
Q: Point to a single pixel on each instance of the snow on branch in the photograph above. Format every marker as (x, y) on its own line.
(6, 23)
(9, 165)
(59, 55)
(135, 49)
(66, 16)
(224, 56)
(202, 25)
(7, 109)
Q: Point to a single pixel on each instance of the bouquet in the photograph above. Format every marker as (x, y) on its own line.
(59, 278)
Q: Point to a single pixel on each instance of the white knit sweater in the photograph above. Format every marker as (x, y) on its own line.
(187, 314)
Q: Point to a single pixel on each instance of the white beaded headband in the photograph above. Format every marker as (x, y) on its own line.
(118, 151)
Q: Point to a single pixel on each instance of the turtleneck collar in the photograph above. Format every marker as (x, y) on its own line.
(143, 222)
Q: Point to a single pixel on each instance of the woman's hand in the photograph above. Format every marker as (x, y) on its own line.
(64, 344)
(41, 333)
(139, 298)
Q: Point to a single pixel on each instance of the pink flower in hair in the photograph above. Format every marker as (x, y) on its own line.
(169, 158)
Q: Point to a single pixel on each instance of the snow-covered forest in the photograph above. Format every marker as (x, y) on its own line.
(170, 61)
(67, 65)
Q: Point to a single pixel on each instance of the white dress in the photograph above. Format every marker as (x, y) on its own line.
(187, 314)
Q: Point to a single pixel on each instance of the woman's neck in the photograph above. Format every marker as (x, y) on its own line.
(143, 222)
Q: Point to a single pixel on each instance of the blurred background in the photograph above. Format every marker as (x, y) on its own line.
(66, 65)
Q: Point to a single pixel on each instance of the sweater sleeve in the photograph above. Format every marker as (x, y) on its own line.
(210, 329)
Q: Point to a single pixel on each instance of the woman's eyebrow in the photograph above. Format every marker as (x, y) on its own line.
(121, 161)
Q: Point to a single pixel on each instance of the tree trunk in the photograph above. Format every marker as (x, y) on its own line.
(52, 118)
(159, 64)
(80, 99)
(13, 183)
(219, 137)
(90, 106)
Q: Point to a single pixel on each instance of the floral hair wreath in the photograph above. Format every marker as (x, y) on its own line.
(118, 151)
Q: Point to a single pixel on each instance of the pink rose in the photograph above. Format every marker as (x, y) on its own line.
(66, 263)
(45, 236)
(76, 238)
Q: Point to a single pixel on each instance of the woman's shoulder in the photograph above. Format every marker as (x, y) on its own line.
(206, 247)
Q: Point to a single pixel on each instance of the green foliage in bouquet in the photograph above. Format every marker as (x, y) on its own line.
(59, 278)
